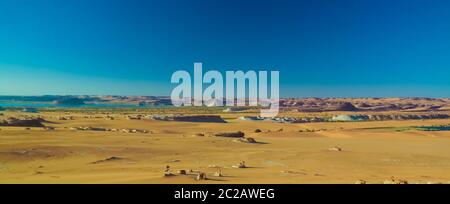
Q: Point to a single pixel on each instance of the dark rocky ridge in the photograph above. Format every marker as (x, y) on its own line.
(69, 101)
(191, 118)
(33, 122)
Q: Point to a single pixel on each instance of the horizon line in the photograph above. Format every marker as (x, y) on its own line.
(289, 97)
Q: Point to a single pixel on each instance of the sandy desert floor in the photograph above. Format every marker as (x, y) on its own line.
(371, 151)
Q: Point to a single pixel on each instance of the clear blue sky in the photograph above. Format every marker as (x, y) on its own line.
(341, 48)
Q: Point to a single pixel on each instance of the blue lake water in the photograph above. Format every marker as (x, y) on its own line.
(9, 104)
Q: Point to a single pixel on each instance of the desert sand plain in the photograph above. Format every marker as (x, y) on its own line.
(320, 152)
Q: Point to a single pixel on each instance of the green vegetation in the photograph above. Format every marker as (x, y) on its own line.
(434, 128)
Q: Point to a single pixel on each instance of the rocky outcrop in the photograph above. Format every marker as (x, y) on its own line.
(238, 134)
(364, 105)
(200, 118)
(124, 130)
(190, 118)
(34, 122)
(389, 107)
(408, 117)
(69, 101)
(349, 118)
(346, 106)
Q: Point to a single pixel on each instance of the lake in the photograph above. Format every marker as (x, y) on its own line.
(9, 104)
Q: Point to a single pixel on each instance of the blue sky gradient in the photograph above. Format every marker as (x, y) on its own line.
(322, 48)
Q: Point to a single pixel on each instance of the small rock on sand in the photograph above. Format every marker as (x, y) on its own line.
(246, 140)
(49, 128)
(113, 158)
(240, 166)
(167, 171)
(230, 134)
(335, 149)
(218, 173)
(200, 176)
(174, 160)
(432, 182)
(360, 181)
(250, 140)
(168, 174)
(393, 180)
